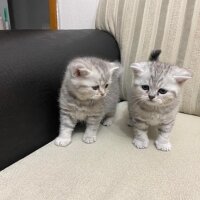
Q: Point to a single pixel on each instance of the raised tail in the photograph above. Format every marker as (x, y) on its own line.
(154, 56)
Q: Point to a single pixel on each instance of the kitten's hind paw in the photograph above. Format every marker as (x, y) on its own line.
(140, 144)
(62, 142)
(163, 146)
(89, 139)
(107, 121)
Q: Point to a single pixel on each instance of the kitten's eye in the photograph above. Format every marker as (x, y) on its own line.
(145, 87)
(162, 91)
(106, 85)
(95, 87)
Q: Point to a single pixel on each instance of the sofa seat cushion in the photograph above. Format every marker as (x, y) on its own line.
(111, 168)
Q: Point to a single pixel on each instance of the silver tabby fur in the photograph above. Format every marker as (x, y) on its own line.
(89, 93)
(154, 100)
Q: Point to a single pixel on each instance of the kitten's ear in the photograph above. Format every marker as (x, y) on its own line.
(181, 74)
(138, 68)
(79, 71)
(114, 66)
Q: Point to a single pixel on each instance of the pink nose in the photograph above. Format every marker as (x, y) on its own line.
(102, 92)
(151, 97)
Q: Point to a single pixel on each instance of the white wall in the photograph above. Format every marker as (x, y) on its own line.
(77, 14)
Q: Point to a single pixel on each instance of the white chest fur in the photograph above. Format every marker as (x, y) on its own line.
(153, 118)
(81, 113)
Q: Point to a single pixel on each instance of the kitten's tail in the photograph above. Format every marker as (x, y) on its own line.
(154, 56)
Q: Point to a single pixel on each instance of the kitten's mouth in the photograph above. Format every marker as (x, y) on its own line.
(151, 102)
(97, 98)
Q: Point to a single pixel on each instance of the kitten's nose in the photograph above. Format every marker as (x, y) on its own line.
(151, 97)
(102, 92)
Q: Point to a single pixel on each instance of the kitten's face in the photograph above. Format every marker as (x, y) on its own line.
(157, 84)
(91, 87)
(91, 80)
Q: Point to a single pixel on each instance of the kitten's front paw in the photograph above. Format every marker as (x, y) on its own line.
(140, 144)
(163, 146)
(62, 142)
(107, 121)
(89, 139)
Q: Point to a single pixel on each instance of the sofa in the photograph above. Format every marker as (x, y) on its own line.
(32, 65)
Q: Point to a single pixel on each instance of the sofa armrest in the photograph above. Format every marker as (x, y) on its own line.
(32, 64)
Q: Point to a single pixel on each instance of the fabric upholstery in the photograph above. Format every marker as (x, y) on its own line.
(110, 169)
(142, 25)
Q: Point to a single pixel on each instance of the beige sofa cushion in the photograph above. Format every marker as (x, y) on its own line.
(110, 169)
(142, 25)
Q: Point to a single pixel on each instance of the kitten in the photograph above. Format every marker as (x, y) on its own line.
(90, 93)
(154, 99)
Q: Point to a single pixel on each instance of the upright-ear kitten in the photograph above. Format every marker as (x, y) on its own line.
(89, 93)
(154, 99)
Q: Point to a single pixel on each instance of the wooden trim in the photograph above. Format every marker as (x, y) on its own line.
(53, 14)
